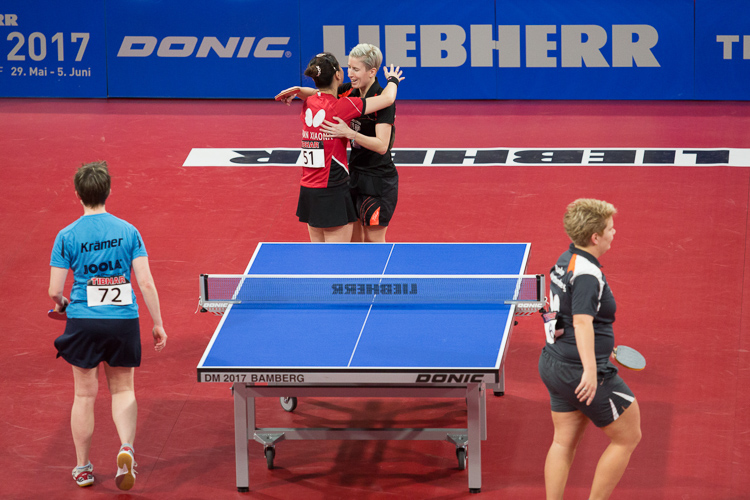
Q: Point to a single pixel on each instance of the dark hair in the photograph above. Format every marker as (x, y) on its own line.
(92, 182)
(322, 68)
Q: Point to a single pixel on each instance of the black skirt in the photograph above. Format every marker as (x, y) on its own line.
(87, 342)
(326, 207)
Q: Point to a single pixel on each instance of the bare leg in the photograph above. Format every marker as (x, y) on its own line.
(124, 406)
(316, 234)
(358, 233)
(339, 234)
(624, 433)
(82, 413)
(375, 234)
(569, 429)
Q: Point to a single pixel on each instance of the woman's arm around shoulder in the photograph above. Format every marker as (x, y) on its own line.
(288, 95)
(378, 144)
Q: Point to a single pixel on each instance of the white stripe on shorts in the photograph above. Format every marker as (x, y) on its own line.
(615, 415)
(626, 397)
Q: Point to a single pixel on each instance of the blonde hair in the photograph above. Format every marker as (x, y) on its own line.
(369, 54)
(586, 217)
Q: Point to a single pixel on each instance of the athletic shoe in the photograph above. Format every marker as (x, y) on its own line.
(125, 478)
(84, 476)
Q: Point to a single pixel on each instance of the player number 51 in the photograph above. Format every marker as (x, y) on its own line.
(310, 160)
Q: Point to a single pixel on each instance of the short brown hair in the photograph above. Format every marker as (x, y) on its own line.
(586, 217)
(92, 182)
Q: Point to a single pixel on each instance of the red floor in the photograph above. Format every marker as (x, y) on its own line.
(677, 267)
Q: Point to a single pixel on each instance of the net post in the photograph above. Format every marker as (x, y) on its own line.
(203, 286)
(541, 291)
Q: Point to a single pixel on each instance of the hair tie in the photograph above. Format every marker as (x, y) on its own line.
(318, 68)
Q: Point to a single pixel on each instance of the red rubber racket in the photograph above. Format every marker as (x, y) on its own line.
(52, 314)
(287, 95)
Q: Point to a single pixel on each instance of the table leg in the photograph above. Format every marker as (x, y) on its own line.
(499, 388)
(483, 412)
(473, 395)
(241, 437)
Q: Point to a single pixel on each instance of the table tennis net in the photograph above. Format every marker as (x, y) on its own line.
(219, 291)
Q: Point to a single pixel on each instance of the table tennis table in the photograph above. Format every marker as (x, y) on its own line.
(389, 349)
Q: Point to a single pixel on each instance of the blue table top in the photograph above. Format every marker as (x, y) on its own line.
(361, 343)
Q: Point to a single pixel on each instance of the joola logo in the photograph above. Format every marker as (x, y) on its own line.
(450, 378)
(102, 267)
(184, 46)
(530, 46)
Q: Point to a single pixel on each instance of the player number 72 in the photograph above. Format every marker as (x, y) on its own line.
(116, 298)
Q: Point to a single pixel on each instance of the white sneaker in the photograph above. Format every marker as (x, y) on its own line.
(84, 476)
(125, 478)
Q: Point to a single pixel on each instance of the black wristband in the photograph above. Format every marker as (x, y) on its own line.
(393, 79)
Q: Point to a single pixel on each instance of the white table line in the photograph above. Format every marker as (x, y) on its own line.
(359, 337)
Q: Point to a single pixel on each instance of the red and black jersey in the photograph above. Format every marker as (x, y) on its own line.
(361, 159)
(323, 159)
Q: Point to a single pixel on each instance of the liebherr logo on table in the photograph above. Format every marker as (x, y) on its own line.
(374, 289)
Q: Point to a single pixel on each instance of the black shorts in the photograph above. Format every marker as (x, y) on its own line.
(612, 397)
(326, 207)
(87, 342)
(374, 197)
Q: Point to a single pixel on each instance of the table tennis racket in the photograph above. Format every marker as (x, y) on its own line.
(629, 358)
(287, 95)
(52, 314)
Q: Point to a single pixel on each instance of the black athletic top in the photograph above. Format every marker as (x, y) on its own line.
(363, 160)
(578, 286)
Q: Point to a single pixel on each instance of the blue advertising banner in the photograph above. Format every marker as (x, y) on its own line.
(195, 49)
(593, 49)
(55, 49)
(432, 44)
(483, 49)
(722, 49)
